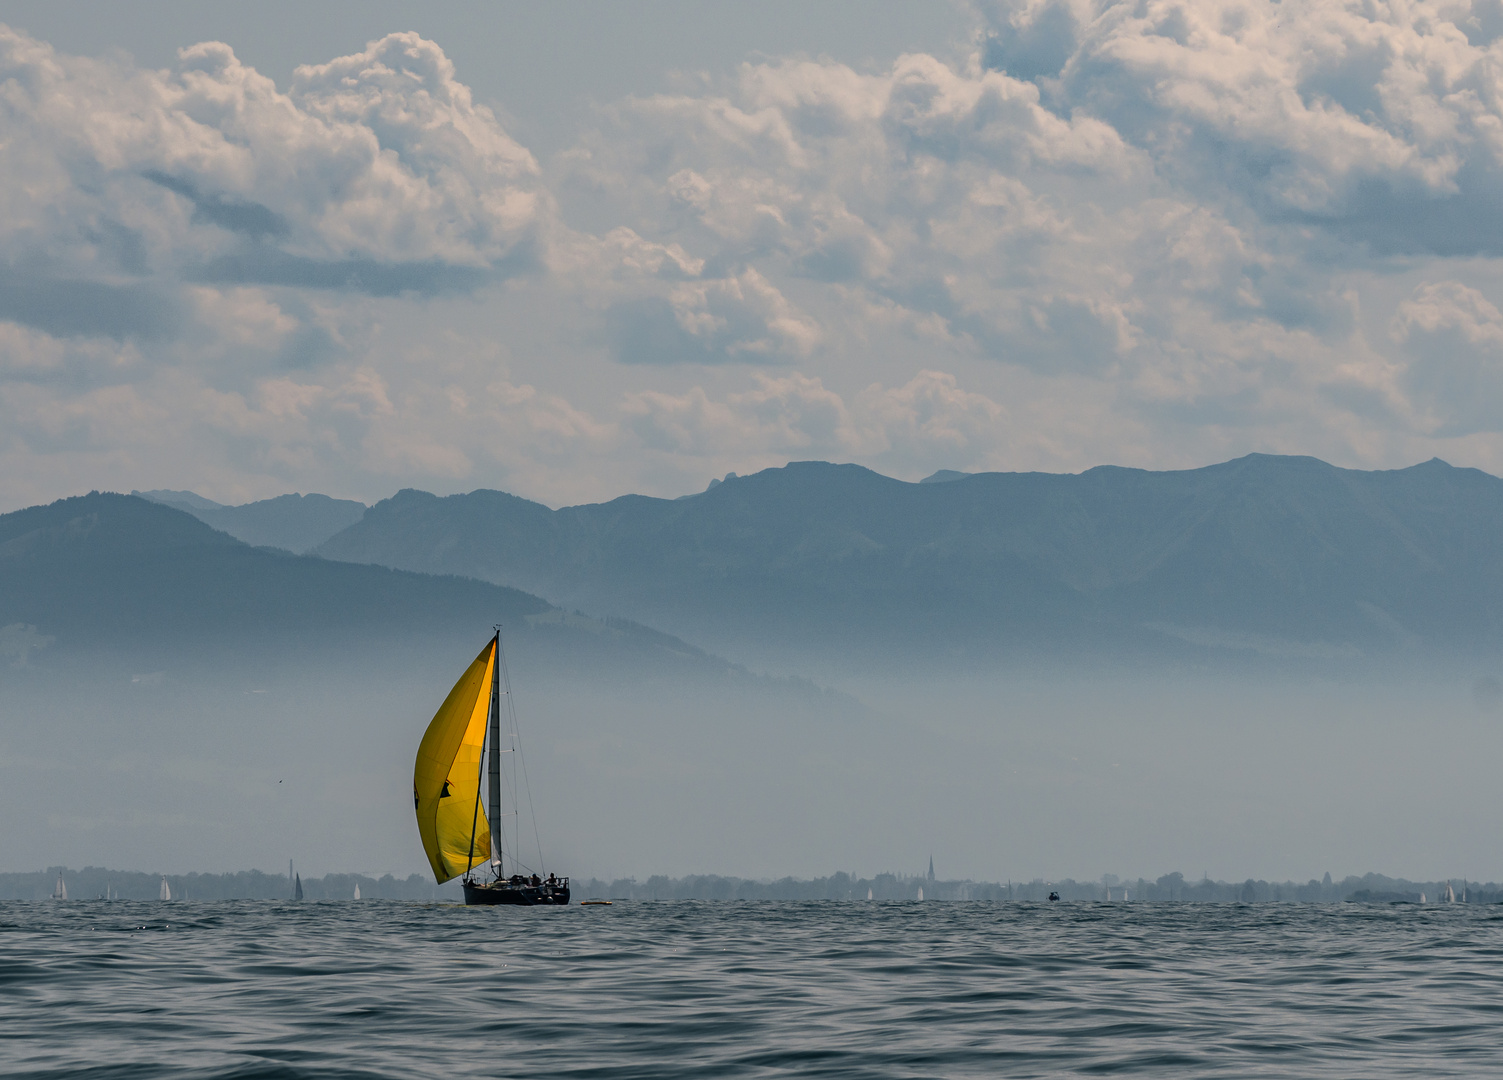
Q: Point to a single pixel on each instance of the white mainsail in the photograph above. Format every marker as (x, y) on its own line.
(60, 891)
(357, 890)
(166, 890)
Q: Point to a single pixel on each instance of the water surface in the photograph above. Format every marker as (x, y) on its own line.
(697, 989)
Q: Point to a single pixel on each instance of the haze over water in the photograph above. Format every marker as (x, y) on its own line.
(247, 989)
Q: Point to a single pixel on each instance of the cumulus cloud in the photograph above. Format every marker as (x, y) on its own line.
(929, 420)
(1155, 233)
(374, 172)
(1377, 121)
(710, 320)
(184, 255)
(792, 414)
(1455, 337)
(1190, 201)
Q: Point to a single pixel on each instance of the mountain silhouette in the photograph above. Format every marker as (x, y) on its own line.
(296, 523)
(122, 574)
(1263, 556)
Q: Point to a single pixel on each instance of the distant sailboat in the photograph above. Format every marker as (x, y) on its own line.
(462, 744)
(921, 892)
(1450, 896)
(166, 891)
(357, 890)
(868, 894)
(59, 891)
(297, 887)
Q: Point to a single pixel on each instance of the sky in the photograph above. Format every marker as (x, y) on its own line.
(571, 251)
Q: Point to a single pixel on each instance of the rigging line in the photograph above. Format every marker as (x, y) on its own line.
(517, 734)
(493, 732)
(514, 788)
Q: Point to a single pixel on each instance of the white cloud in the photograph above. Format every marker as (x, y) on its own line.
(374, 172)
(786, 415)
(1346, 114)
(1186, 201)
(443, 180)
(709, 320)
(932, 419)
(929, 419)
(1155, 233)
(1454, 335)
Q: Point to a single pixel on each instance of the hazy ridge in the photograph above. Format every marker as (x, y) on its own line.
(122, 575)
(295, 523)
(1282, 559)
(174, 697)
(169, 692)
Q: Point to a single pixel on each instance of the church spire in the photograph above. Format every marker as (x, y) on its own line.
(931, 867)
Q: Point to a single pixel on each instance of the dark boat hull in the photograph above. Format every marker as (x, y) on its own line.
(504, 892)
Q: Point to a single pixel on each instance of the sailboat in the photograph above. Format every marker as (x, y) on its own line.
(459, 834)
(297, 887)
(59, 891)
(166, 890)
(357, 890)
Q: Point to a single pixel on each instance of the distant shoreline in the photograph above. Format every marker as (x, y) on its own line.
(92, 883)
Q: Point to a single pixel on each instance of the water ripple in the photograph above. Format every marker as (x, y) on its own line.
(256, 991)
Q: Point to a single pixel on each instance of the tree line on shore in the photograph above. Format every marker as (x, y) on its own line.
(1370, 888)
(98, 883)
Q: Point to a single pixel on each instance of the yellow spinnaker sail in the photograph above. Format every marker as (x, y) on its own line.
(446, 778)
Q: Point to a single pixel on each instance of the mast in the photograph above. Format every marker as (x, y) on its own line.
(493, 761)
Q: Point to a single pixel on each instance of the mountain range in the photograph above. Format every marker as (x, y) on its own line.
(173, 696)
(296, 523)
(1284, 558)
(1271, 556)
(165, 687)
(117, 574)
